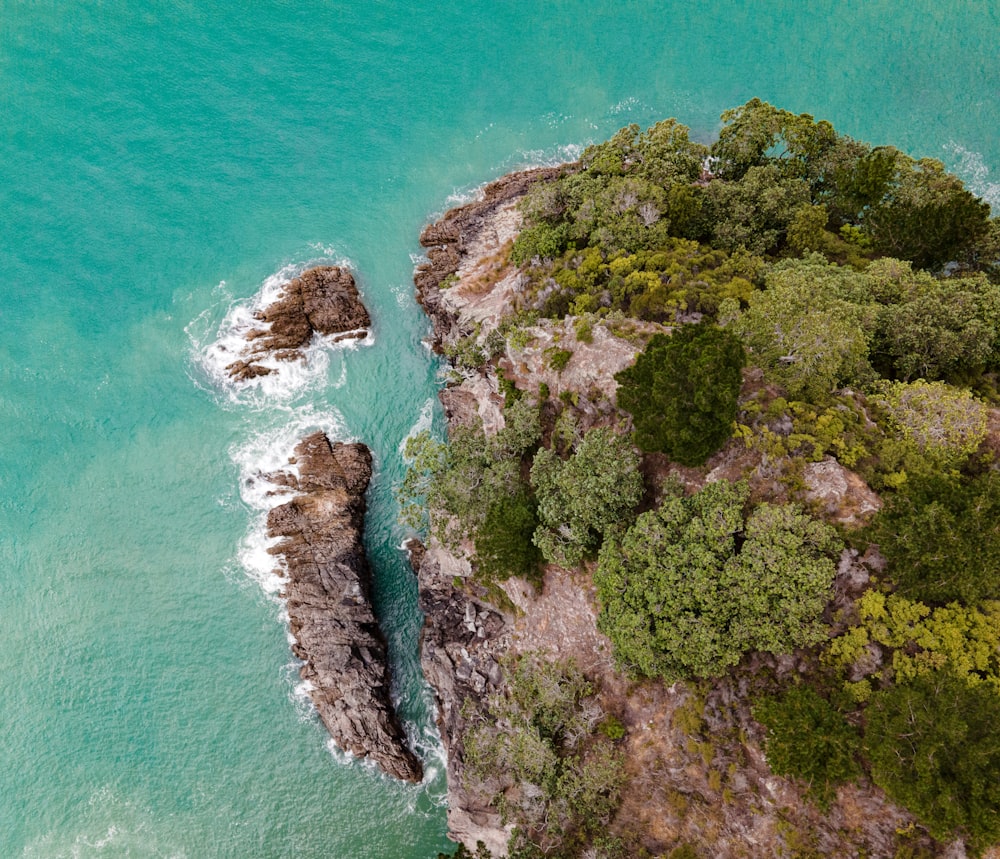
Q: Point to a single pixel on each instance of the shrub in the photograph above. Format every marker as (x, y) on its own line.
(503, 542)
(695, 584)
(682, 392)
(807, 738)
(933, 748)
(585, 497)
(941, 536)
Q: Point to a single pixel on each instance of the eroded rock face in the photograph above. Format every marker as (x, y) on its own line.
(455, 238)
(843, 495)
(322, 300)
(460, 647)
(328, 594)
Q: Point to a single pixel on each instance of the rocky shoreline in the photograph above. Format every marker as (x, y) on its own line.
(328, 597)
(464, 638)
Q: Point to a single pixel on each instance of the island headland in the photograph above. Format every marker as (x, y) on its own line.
(703, 403)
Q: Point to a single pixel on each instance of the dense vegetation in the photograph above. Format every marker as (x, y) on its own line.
(696, 583)
(793, 296)
(682, 392)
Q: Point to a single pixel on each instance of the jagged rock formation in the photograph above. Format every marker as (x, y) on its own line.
(460, 646)
(322, 300)
(454, 238)
(328, 594)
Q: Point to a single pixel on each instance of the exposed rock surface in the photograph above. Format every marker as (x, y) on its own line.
(843, 495)
(322, 300)
(329, 603)
(460, 647)
(464, 234)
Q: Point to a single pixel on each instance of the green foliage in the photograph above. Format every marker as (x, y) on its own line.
(965, 641)
(680, 276)
(591, 494)
(755, 213)
(558, 358)
(473, 487)
(925, 215)
(908, 209)
(933, 748)
(682, 392)
(550, 771)
(943, 424)
(503, 542)
(807, 738)
(933, 329)
(541, 241)
(941, 536)
(805, 332)
(695, 584)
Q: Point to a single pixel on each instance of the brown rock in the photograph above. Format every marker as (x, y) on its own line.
(322, 300)
(448, 239)
(329, 603)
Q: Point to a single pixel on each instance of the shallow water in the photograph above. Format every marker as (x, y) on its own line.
(161, 164)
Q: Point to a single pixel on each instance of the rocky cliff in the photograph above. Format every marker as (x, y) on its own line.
(322, 300)
(328, 594)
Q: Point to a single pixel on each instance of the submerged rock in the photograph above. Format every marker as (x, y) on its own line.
(322, 300)
(328, 594)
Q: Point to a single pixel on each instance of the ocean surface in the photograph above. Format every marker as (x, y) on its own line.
(164, 165)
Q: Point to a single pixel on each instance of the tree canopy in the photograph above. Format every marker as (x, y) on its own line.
(941, 536)
(933, 748)
(696, 583)
(584, 497)
(682, 392)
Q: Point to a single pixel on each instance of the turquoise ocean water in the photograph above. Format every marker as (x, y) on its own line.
(163, 162)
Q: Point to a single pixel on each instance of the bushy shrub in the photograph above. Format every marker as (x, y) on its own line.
(588, 495)
(696, 583)
(808, 738)
(682, 392)
(933, 748)
(941, 536)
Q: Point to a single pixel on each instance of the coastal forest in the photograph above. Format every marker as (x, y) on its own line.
(747, 401)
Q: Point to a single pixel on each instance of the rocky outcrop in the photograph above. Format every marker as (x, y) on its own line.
(322, 300)
(328, 593)
(456, 238)
(460, 648)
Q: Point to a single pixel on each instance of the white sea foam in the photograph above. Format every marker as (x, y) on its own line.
(972, 169)
(215, 346)
(422, 424)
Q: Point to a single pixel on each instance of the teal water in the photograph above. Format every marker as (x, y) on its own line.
(159, 163)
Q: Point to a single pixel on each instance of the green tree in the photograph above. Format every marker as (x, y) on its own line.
(805, 331)
(943, 424)
(926, 215)
(808, 738)
(936, 329)
(682, 392)
(588, 495)
(504, 546)
(933, 748)
(695, 584)
(941, 536)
